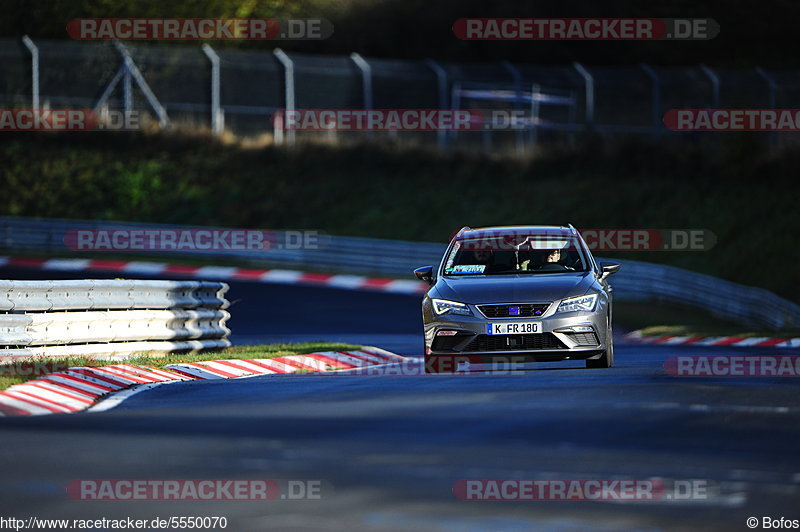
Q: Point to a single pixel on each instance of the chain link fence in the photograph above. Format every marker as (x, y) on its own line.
(239, 91)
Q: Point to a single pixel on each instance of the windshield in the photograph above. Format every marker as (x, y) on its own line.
(525, 254)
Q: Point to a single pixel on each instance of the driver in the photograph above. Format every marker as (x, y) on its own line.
(483, 256)
(552, 262)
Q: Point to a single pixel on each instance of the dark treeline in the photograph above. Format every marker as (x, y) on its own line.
(752, 33)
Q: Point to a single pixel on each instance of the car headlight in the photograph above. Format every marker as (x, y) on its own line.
(573, 304)
(443, 306)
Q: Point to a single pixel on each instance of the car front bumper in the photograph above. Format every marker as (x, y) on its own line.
(553, 341)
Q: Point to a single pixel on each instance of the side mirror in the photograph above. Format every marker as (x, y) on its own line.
(608, 268)
(424, 274)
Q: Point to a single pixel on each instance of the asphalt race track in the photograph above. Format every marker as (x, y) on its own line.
(389, 449)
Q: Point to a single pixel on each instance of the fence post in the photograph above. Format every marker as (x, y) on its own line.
(441, 83)
(366, 78)
(517, 75)
(129, 69)
(773, 98)
(216, 114)
(535, 107)
(127, 92)
(288, 80)
(589, 81)
(34, 50)
(101, 102)
(366, 81)
(712, 76)
(656, 104)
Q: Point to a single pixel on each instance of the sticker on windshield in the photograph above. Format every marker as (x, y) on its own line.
(468, 268)
(448, 268)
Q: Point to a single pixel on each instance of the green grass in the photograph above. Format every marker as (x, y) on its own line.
(674, 320)
(14, 372)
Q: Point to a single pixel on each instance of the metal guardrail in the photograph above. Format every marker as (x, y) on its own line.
(747, 305)
(102, 294)
(637, 281)
(368, 256)
(63, 318)
(56, 328)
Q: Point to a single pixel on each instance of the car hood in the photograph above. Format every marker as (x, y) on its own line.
(513, 288)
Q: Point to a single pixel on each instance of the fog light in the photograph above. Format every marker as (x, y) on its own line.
(576, 329)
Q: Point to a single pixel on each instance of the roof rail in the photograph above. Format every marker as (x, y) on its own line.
(575, 231)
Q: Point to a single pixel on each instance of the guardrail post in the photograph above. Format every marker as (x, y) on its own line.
(441, 83)
(588, 79)
(288, 80)
(656, 104)
(216, 113)
(34, 50)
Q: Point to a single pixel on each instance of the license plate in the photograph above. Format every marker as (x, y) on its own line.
(517, 327)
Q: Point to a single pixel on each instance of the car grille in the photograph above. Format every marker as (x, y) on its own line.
(519, 342)
(586, 338)
(526, 310)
